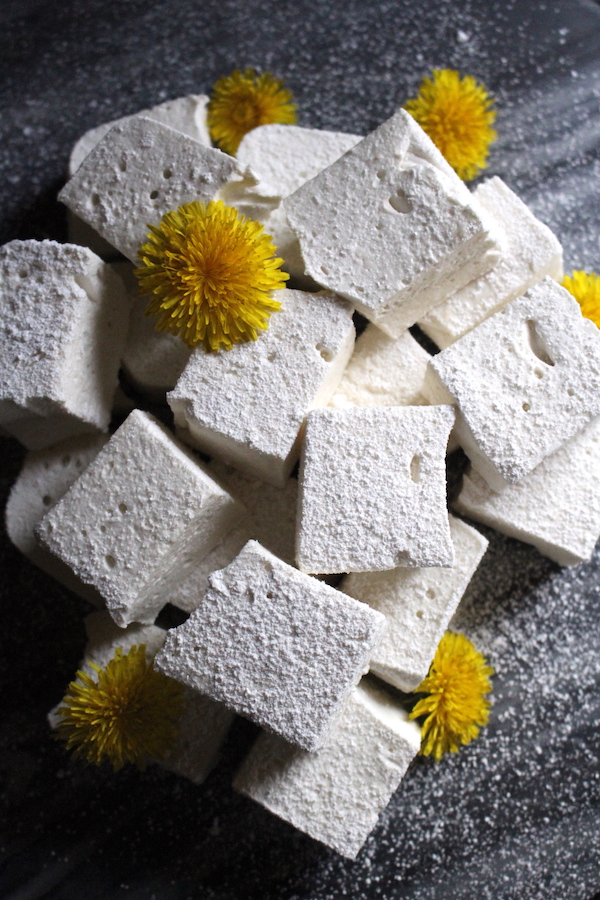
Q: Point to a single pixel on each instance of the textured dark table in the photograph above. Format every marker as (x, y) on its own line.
(514, 815)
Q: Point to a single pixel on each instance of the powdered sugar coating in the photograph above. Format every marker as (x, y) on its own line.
(281, 648)
(525, 380)
(373, 489)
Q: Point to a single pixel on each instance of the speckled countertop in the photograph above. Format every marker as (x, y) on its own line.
(513, 815)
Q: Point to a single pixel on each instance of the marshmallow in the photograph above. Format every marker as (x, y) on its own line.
(271, 520)
(336, 794)
(141, 508)
(203, 725)
(152, 360)
(45, 477)
(530, 253)
(525, 380)
(274, 645)
(418, 605)
(284, 157)
(391, 227)
(556, 507)
(141, 170)
(64, 319)
(373, 489)
(383, 372)
(247, 405)
(185, 114)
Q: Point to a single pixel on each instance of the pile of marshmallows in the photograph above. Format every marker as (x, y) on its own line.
(381, 225)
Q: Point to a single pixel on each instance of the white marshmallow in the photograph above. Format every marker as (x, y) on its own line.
(274, 645)
(141, 507)
(203, 725)
(271, 520)
(525, 380)
(418, 605)
(152, 360)
(530, 253)
(64, 319)
(141, 170)
(284, 157)
(373, 489)
(45, 477)
(247, 405)
(383, 372)
(556, 507)
(184, 114)
(391, 227)
(336, 794)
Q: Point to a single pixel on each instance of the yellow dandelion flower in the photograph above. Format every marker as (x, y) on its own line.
(209, 272)
(457, 115)
(242, 101)
(585, 287)
(130, 714)
(456, 686)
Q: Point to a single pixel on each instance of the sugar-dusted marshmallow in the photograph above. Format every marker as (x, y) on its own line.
(45, 477)
(373, 489)
(270, 519)
(274, 645)
(62, 333)
(138, 510)
(383, 371)
(203, 725)
(336, 794)
(141, 170)
(184, 114)
(247, 406)
(556, 507)
(418, 605)
(391, 227)
(530, 253)
(525, 381)
(152, 360)
(284, 157)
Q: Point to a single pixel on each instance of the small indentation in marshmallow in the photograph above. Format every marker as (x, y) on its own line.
(415, 468)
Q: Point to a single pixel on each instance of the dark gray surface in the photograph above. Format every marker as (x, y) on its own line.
(514, 815)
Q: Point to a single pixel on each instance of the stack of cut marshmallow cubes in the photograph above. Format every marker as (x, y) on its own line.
(134, 521)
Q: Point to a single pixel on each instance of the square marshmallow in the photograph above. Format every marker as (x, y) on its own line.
(64, 319)
(336, 794)
(530, 253)
(142, 507)
(391, 227)
(270, 520)
(556, 507)
(141, 170)
(45, 478)
(274, 645)
(203, 725)
(418, 605)
(525, 381)
(373, 489)
(247, 405)
(383, 371)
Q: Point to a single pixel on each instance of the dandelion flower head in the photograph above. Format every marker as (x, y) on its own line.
(129, 714)
(457, 115)
(455, 706)
(585, 287)
(242, 101)
(209, 272)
